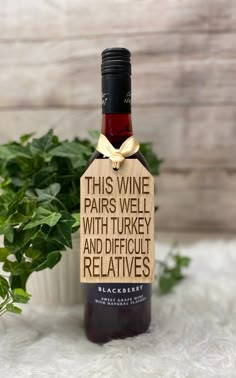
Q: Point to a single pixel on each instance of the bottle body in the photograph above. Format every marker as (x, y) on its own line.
(116, 310)
(109, 320)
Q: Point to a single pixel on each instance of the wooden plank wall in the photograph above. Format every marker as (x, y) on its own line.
(184, 89)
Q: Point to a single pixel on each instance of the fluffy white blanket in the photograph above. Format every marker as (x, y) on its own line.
(193, 331)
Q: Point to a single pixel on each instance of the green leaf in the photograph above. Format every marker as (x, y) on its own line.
(183, 261)
(4, 184)
(172, 270)
(33, 253)
(166, 284)
(53, 258)
(14, 267)
(7, 196)
(25, 138)
(19, 281)
(76, 152)
(13, 151)
(43, 216)
(21, 296)
(77, 220)
(9, 234)
(48, 193)
(175, 272)
(4, 287)
(150, 156)
(45, 176)
(63, 230)
(11, 308)
(22, 239)
(17, 218)
(18, 197)
(2, 223)
(27, 206)
(44, 144)
(3, 254)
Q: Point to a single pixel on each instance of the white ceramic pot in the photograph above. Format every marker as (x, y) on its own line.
(60, 285)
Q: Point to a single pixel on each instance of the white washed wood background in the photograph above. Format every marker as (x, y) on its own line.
(184, 89)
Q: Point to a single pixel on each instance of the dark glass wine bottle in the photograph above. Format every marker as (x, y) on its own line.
(127, 310)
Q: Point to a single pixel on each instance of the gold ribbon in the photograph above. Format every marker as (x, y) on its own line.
(117, 156)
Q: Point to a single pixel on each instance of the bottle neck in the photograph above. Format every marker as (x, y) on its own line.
(117, 128)
(116, 108)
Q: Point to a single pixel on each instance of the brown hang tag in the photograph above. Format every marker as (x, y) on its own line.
(117, 223)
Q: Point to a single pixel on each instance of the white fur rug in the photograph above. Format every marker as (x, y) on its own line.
(193, 331)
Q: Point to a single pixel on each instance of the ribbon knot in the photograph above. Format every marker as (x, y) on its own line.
(117, 155)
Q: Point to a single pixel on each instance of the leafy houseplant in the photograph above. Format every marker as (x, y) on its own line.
(40, 206)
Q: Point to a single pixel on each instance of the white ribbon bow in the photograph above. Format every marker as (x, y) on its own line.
(117, 156)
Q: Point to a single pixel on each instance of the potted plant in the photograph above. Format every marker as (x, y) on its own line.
(40, 215)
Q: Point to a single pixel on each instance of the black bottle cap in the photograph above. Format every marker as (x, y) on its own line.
(116, 61)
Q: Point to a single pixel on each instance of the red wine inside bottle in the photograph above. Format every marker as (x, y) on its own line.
(115, 310)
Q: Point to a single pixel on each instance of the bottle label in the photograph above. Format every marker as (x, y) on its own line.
(116, 94)
(117, 223)
(118, 295)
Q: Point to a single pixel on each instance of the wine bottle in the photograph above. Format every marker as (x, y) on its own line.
(116, 319)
